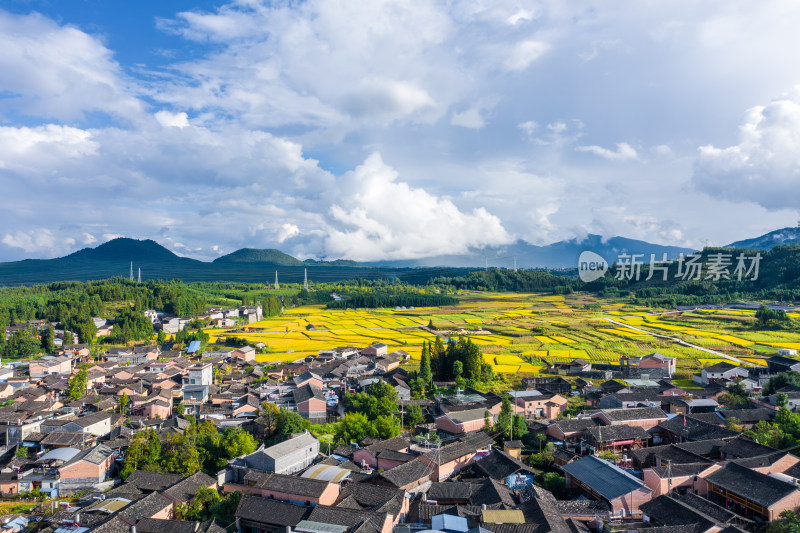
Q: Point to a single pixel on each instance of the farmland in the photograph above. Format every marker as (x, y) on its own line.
(523, 333)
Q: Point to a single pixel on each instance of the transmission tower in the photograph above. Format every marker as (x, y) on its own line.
(131, 275)
(276, 280)
(305, 278)
(515, 263)
(139, 279)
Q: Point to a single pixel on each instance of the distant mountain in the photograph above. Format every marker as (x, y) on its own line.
(562, 254)
(123, 249)
(114, 258)
(276, 258)
(770, 240)
(252, 255)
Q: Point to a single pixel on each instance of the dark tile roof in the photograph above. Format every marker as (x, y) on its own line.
(750, 484)
(404, 474)
(693, 429)
(615, 433)
(152, 481)
(741, 447)
(145, 507)
(602, 477)
(156, 525)
(708, 508)
(667, 511)
(367, 497)
(499, 465)
(637, 413)
(62, 438)
(576, 424)
(272, 512)
(451, 490)
(469, 444)
(288, 484)
(541, 508)
(676, 470)
(306, 392)
(748, 416)
(583, 507)
(709, 418)
(346, 517)
(401, 442)
(185, 489)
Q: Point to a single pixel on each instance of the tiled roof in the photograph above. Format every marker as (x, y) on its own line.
(185, 489)
(757, 487)
(602, 477)
(272, 512)
(404, 474)
(637, 413)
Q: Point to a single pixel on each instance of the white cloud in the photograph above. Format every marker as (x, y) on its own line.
(59, 72)
(175, 120)
(624, 152)
(471, 118)
(764, 167)
(43, 146)
(383, 218)
(39, 240)
(524, 53)
(288, 231)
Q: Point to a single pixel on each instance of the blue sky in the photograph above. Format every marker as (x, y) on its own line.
(395, 129)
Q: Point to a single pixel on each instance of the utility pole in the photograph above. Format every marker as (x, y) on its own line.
(305, 278)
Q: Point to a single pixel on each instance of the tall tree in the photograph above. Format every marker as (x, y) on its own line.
(48, 337)
(425, 365)
(76, 387)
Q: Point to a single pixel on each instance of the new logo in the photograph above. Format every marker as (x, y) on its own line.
(591, 266)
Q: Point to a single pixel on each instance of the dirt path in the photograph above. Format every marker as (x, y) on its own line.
(682, 342)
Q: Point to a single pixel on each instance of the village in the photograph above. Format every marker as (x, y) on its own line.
(639, 452)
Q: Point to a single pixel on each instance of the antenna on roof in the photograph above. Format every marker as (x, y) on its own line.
(276, 280)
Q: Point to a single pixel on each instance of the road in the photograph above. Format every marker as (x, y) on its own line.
(682, 342)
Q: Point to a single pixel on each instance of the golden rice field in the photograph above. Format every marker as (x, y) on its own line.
(527, 331)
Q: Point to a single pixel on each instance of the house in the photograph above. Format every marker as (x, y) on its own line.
(616, 438)
(748, 492)
(45, 366)
(293, 489)
(258, 514)
(199, 374)
(629, 400)
(603, 480)
(310, 403)
(287, 457)
(654, 361)
(87, 468)
(778, 363)
(411, 477)
(184, 491)
(690, 512)
(576, 366)
(644, 417)
(308, 378)
(787, 352)
(245, 353)
(375, 350)
(458, 422)
(452, 458)
(385, 454)
(554, 385)
(684, 428)
(720, 371)
(537, 404)
(680, 478)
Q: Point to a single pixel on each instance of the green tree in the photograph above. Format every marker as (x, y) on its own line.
(180, 409)
(520, 427)
(22, 343)
(487, 420)
(47, 342)
(76, 387)
(237, 442)
(385, 427)
(555, 484)
(781, 400)
(179, 455)
(289, 422)
(122, 403)
(458, 369)
(354, 427)
(425, 365)
(503, 424)
(414, 416)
